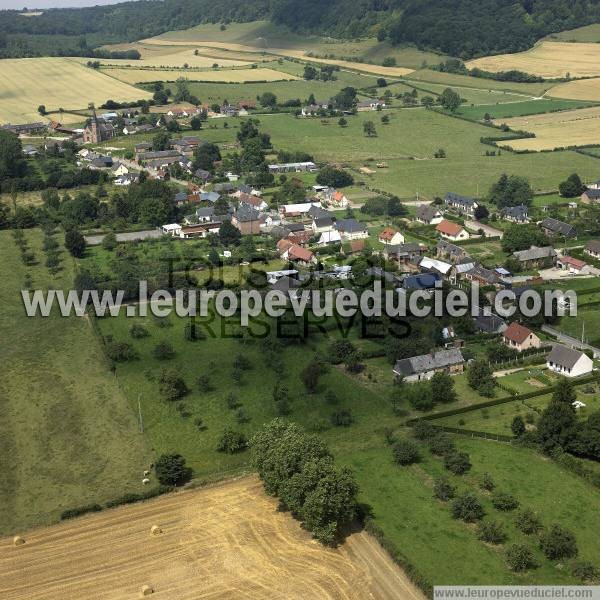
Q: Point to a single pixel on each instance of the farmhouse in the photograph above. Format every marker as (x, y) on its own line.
(247, 220)
(428, 214)
(371, 104)
(452, 231)
(536, 257)
(520, 338)
(483, 276)
(591, 195)
(461, 204)
(390, 236)
(351, 229)
(404, 253)
(555, 228)
(573, 265)
(516, 214)
(569, 362)
(592, 248)
(420, 368)
(449, 251)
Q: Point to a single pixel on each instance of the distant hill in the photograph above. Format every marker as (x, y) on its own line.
(464, 28)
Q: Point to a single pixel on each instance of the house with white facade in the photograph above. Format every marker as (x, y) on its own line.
(569, 362)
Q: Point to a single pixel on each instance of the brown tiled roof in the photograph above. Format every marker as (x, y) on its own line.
(517, 333)
(449, 228)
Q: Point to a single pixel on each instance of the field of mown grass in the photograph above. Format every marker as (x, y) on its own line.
(68, 437)
(556, 130)
(519, 109)
(581, 89)
(56, 83)
(588, 33)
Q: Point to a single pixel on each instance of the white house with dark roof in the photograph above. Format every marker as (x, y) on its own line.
(351, 229)
(428, 214)
(569, 362)
(461, 204)
(516, 214)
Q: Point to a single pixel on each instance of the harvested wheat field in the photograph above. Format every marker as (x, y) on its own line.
(582, 89)
(25, 83)
(556, 130)
(299, 54)
(547, 59)
(224, 76)
(225, 541)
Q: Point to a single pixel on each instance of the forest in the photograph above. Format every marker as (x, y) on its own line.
(462, 28)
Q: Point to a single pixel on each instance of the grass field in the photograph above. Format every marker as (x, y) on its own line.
(588, 33)
(547, 59)
(221, 75)
(556, 130)
(55, 82)
(518, 109)
(67, 432)
(582, 89)
(224, 541)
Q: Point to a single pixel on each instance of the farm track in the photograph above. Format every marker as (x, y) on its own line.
(225, 541)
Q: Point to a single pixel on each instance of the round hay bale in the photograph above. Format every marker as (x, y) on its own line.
(147, 590)
(155, 530)
(18, 540)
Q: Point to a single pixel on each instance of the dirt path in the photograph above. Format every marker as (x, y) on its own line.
(226, 541)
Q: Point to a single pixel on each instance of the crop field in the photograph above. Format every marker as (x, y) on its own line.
(25, 83)
(556, 130)
(588, 33)
(519, 109)
(509, 88)
(582, 89)
(222, 75)
(224, 541)
(547, 59)
(67, 433)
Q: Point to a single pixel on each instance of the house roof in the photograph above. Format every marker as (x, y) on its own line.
(535, 253)
(432, 264)
(402, 249)
(592, 193)
(299, 253)
(429, 362)
(516, 333)
(357, 246)
(464, 201)
(490, 323)
(330, 237)
(317, 212)
(572, 262)
(387, 234)
(285, 283)
(519, 212)
(323, 222)
(449, 228)
(245, 214)
(563, 356)
(557, 226)
(251, 200)
(427, 212)
(593, 246)
(283, 245)
(349, 225)
(487, 275)
(449, 248)
(207, 211)
(423, 281)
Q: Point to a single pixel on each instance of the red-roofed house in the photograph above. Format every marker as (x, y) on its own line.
(568, 263)
(301, 237)
(391, 237)
(298, 254)
(254, 201)
(452, 231)
(283, 246)
(520, 338)
(338, 199)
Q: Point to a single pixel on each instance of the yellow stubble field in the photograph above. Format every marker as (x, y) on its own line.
(26, 83)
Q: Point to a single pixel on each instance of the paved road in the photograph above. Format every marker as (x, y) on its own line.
(128, 236)
(570, 340)
(487, 230)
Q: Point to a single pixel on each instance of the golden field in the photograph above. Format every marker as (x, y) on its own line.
(26, 83)
(556, 130)
(288, 53)
(582, 89)
(547, 59)
(227, 76)
(228, 541)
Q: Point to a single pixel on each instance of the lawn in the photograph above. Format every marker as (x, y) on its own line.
(586, 323)
(67, 434)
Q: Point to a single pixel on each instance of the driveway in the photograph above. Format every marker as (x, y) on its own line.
(487, 230)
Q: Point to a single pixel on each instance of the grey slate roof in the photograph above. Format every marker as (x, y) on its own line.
(349, 225)
(323, 221)
(559, 227)
(317, 212)
(535, 253)
(489, 323)
(208, 211)
(245, 213)
(458, 200)
(426, 212)
(429, 362)
(593, 246)
(563, 356)
(519, 213)
(402, 249)
(592, 193)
